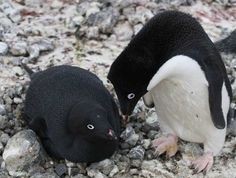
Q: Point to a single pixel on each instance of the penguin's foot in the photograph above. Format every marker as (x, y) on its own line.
(166, 144)
(203, 163)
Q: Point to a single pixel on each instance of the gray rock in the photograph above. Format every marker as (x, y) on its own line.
(21, 152)
(127, 133)
(11, 12)
(18, 70)
(33, 3)
(4, 138)
(104, 166)
(3, 122)
(3, 48)
(92, 33)
(135, 163)
(44, 175)
(146, 143)
(133, 139)
(61, 169)
(39, 46)
(105, 20)
(123, 31)
(137, 153)
(94, 173)
(79, 176)
(2, 109)
(114, 171)
(1, 147)
(142, 15)
(18, 48)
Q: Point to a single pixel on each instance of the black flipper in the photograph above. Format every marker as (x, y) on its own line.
(228, 44)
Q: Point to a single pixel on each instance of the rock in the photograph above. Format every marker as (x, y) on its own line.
(104, 166)
(11, 12)
(40, 46)
(137, 153)
(136, 163)
(33, 3)
(94, 173)
(44, 175)
(3, 122)
(92, 33)
(17, 100)
(2, 109)
(1, 148)
(146, 143)
(123, 31)
(133, 139)
(82, 7)
(21, 152)
(105, 20)
(114, 171)
(3, 48)
(152, 120)
(61, 169)
(18, 48)
(141, 15)
(127, 133)
(79, 176)
(18, 70)
(4, 138)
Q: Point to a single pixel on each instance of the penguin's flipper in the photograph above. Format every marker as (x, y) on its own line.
(147, 99)
(215, 98)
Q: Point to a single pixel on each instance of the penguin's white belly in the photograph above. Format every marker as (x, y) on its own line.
(183, 109)
(179, 91)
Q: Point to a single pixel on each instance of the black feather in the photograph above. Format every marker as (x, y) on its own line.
(60, 102)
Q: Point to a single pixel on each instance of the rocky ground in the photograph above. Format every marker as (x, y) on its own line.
(41, 34)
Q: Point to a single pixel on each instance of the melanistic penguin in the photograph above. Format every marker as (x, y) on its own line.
(73, 113)
(174, 65)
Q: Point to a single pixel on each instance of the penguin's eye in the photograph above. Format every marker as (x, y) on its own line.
(90, 126)
(108, 81)
(131, 96)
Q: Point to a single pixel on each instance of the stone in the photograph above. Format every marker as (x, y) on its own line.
(18, 70)
(1, 147)
(11, 12)
(104, 166)
(18, 48)
(137, 28)
(95, 173)
(114, 171)
(2, 109)
(33, 3)
(105, 20)
(123, 31)
(21, 152)
(44, 175)
(3, 122)
(141, 15)
(3, 48)
(61, 169)
(4, 138)
(137, 153)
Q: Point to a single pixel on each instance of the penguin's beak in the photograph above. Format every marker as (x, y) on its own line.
(111, 134)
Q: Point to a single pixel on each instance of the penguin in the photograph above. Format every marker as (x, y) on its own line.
(73, 113)
(177, 69)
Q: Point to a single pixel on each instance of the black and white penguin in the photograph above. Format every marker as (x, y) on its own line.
(174, 65)
(73, 114)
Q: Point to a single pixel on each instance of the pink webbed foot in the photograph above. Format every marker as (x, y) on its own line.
(203, 163)
(166, 144)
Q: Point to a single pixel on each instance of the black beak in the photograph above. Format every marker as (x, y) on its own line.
(111, 134)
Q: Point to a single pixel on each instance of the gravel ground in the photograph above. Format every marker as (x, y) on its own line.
(42, 34)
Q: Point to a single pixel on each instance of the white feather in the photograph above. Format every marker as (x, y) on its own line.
(179, 90)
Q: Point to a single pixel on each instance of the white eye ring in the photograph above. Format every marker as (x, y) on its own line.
(131, 96)
(90, 126)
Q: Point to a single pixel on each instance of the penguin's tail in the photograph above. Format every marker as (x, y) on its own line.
(28, 70)
(228, 44)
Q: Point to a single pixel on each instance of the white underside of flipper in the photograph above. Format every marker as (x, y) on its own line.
(179, 91)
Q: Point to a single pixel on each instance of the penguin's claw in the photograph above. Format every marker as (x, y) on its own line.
(203, 163)
(166, 144)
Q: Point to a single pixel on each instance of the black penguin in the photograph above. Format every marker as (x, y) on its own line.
(176, 67)
(73, 114)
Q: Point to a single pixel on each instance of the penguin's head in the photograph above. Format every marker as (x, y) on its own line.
(130, 74)
(89, 120)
